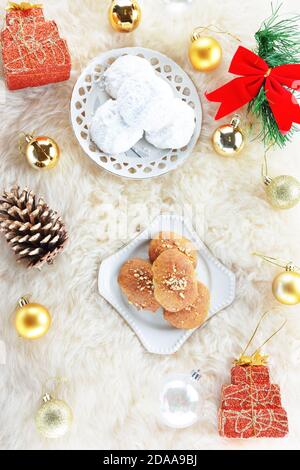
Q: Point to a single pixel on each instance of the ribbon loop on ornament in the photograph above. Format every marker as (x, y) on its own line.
(255, 73)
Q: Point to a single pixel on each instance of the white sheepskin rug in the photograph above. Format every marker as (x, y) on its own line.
(113, 383)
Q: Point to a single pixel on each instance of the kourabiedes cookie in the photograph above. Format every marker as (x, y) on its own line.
(193, 316)
(174, 278)
(136, 281)
(168, 240)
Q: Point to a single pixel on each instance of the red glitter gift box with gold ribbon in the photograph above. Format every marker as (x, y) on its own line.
(33, 52)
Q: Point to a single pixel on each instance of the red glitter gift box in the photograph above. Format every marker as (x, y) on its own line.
(244, 424)
(250, 375)
(32, 51)
(251, 405)
(237, 397)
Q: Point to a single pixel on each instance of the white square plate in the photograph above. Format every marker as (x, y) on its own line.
(154, 332)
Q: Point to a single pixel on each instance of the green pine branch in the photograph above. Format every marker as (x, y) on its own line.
(278, 43)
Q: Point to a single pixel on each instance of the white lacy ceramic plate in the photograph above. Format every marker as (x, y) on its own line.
(153, 331)
(143, 160)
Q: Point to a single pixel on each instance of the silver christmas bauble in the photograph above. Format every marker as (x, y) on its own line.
(54, 418)
(179, 401)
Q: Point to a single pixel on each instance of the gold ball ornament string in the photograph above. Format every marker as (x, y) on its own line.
(41, 152)
(229, 140)
(283, 192)
(54, 418)
(32, 320)
(124, 15)
(286, 285)
(205, 51)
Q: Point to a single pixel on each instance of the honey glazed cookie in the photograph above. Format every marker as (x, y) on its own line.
(136, 281)
(174, 278)
(168, 240)
(194, 315)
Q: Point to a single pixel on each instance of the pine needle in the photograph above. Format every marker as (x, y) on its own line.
(278, 43)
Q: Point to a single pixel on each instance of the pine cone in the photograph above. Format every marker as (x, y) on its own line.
(34, 231)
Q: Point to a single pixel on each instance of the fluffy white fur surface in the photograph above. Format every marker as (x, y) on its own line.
(112, 381)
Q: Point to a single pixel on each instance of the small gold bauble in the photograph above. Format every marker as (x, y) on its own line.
(205, 53)
(54, 418)
(229, 140)
(32, 320)
(286, 288)
(124, 15)
(42, 153)
(283, 192)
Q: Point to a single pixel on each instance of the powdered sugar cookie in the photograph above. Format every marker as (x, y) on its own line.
(125, 67)
(136, 96)
(110, 132)
(179, 132)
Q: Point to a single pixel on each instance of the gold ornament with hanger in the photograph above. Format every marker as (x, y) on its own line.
(41, 152)
(283, 192)
(54, 418)
(286, 285)
(205, 51)
(32, 320)
(229, 139)
(124, 15)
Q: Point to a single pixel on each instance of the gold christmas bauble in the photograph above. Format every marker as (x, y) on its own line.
(229, 140)
(283, 192)
(286, 288)
(205, 53)
(124, 15)
(32, 320)
(42, 153)
(54, 418)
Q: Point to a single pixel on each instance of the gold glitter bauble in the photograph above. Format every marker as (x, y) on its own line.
(229, 140)
(124, 15)
(283, 192)
(205, 53)
(42, 153)
(54, 418)
(32, 320)
(286, 288)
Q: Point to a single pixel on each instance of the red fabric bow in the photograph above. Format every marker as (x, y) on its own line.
(256, 73)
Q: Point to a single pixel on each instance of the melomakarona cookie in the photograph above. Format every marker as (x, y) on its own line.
(193, 316)
(168, 240)
(175, 284)
(136, 281)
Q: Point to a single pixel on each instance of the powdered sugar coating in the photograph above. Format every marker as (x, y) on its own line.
(125, 67)
(179, 132)
(136, 98)
(110, 132)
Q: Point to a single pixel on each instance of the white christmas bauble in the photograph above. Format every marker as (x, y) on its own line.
(179, 132)
(110, 132)
(136, 96)
(179, 401)
(125, 67)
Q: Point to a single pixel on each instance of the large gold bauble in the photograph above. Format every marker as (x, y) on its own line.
(32, 320)
(124, 15)
(283, 192)
(42, 153)
(229, 140)
(286, 288)
(54, 418)
(205, 53)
